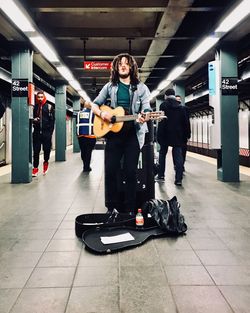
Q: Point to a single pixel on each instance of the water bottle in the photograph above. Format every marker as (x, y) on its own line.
(139, 219)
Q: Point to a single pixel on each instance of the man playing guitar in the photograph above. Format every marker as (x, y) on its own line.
(124, 90)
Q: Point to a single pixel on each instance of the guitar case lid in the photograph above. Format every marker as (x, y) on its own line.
(112, 239)
(93, 220)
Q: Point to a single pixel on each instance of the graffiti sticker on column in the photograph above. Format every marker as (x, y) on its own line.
(229, 86)
(19, 87)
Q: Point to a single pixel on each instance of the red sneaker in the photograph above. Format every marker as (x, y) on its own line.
(45, 167)
(35, 172)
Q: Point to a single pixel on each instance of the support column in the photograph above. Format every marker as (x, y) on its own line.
(76, 108)
(180, 90)
(60, 114)
(22, 73)
(228, 156)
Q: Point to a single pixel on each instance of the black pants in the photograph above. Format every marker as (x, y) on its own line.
(86, 146)
(121, 147)
(40, 140)
(177, 160)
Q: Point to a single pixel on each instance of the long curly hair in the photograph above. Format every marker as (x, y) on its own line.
(134, 76)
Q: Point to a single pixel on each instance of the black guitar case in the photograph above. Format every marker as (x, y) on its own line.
(93, 238)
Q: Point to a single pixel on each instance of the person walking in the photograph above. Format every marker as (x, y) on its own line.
(43, 127)
(171, 132)
(85, 135)
(125, 90)
(188, 133)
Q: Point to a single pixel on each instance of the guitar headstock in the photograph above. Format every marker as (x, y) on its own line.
(157, 115)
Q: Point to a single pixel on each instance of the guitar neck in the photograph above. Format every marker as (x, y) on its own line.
(126, 118)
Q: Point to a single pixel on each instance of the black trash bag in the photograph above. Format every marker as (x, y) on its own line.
(167, 215)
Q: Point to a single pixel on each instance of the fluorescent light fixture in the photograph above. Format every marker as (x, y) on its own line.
(233, 18)
(177, 71)
(83, 94)
(75, 84)
(44, 47)
(18, 17)
(202, 48)
(65, 72)
(163, 84)
(153, 94)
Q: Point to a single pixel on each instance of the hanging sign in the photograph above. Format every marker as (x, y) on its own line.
(97, 65)
(19, 87)
(229, 86)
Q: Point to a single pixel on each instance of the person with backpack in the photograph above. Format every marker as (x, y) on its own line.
(43, 127)
(86, 138)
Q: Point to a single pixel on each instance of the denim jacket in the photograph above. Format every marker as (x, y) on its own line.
(139, 99)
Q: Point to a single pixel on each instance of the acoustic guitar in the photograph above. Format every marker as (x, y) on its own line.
(101, 127)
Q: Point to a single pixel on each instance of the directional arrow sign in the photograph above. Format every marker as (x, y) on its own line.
(97, 65)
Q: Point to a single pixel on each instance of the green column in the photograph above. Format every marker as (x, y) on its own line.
(228, 156)
(60, 114)
(180, 90)
(21, 68)
(76, 108)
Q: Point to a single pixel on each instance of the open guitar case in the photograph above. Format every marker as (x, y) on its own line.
(94, 228)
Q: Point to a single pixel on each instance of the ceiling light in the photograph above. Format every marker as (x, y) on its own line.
(44, 47)
(65, 72)
(163, 84)
(233, 18)
(18, 17)
(75, 84)
(177, 71)
(201, 49)
(153, 94)
(84, 95)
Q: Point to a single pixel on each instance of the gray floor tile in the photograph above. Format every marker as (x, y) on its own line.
(199, 299)
(230, 275)
(14, 277)
(8, 298)
(179, 257)
(31, 245)
(49, 300)
(207, 244)
(51, 277)
(20, 259)
(64, 245)
(88, 259)
(144, 255)
(238, 297)
(96, 276)
(94, 299)
(145, 299)
(138, 276)
(188, 275)
(57, 259)
(218, 257)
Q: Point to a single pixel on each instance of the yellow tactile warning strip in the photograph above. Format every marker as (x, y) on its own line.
(243, 169)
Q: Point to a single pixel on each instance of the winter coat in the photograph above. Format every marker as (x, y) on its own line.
(174, 130)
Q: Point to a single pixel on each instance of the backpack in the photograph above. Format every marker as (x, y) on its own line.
(167, 215)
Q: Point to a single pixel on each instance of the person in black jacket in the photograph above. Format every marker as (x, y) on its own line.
(184, 147)
(43, 127)
(172, 132)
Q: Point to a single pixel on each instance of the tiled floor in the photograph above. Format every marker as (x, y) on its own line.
(45, 269)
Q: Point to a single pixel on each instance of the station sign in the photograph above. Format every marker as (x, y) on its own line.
(97, 65)
(229, 86)
(19, 87)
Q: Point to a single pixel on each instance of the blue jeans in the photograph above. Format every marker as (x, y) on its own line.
(177, 160)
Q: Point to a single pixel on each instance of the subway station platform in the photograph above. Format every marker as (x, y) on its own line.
(45, 268)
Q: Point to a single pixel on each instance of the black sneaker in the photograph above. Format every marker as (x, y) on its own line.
(178, 183)
(160, 178)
